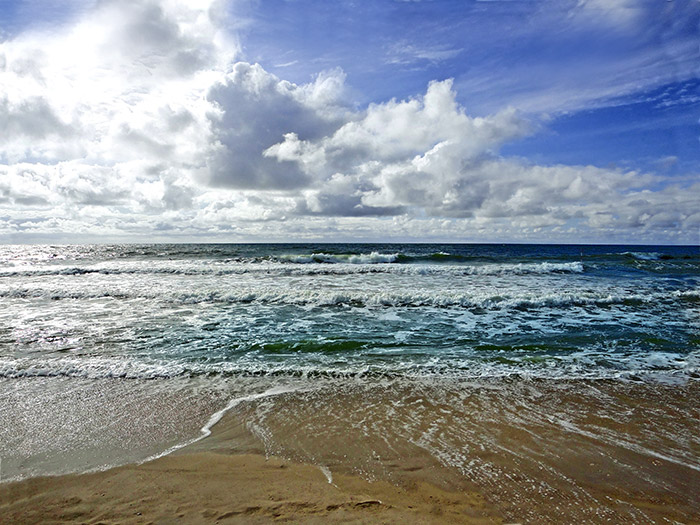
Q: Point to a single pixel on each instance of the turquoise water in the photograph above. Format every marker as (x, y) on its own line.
(337, 310)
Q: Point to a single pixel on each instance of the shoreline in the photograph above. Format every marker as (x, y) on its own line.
(524, 451)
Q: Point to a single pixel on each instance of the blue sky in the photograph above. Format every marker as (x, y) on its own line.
(300, 104)
(604, 107)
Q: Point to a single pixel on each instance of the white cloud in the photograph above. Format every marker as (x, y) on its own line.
(398, 154)
(137, 122)
(407, 54)
(610, 12)
(425, 157)
(111, 86)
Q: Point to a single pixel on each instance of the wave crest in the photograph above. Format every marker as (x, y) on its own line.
(353, 298)
(328, 258)
(379, 263)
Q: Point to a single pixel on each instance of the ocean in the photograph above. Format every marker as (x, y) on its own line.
(476, 364)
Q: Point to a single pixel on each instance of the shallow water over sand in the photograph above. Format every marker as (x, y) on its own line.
(540, 451)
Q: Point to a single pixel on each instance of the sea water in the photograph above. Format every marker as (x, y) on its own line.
(115, 353)
(345, 310)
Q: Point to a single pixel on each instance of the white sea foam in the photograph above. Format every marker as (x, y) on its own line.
(584, 364)
(687, 294)
(327, 258)
(351, 267)
(276, 295)
(644, 256)
(373, 258)
(87, 367)
(216, 417)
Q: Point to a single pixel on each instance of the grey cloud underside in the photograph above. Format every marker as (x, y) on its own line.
(334, 205)
(30, 118)
(253, 111)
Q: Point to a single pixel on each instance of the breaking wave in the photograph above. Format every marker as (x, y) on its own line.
(325, 298)
(300, 268)
(578, 365)
(327, 258)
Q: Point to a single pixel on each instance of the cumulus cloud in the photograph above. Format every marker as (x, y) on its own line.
(108, 111)
(399, 154)
(426, 157)
(253, 110)
(139, 120)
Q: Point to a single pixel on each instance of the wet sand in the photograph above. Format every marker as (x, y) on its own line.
(453, 452)
(208, 488)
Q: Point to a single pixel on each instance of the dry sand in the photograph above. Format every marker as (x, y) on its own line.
(218, 488)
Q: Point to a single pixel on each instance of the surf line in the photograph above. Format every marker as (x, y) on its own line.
(216, 417)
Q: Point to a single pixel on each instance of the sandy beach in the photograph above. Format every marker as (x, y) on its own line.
(248, 488)
(314, 462)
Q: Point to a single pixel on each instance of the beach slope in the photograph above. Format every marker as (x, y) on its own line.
(247, 488)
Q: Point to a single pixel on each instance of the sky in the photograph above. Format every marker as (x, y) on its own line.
(553, 121)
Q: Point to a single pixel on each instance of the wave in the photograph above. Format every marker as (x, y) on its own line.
(340, 254)
(648, 256)
(577, 365)
(320, 298)
(306, 269)
(377, 258)
(692, 296)
(328, 258)
(88, 368)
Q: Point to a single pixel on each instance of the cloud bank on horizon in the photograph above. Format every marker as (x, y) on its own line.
(148, 120)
